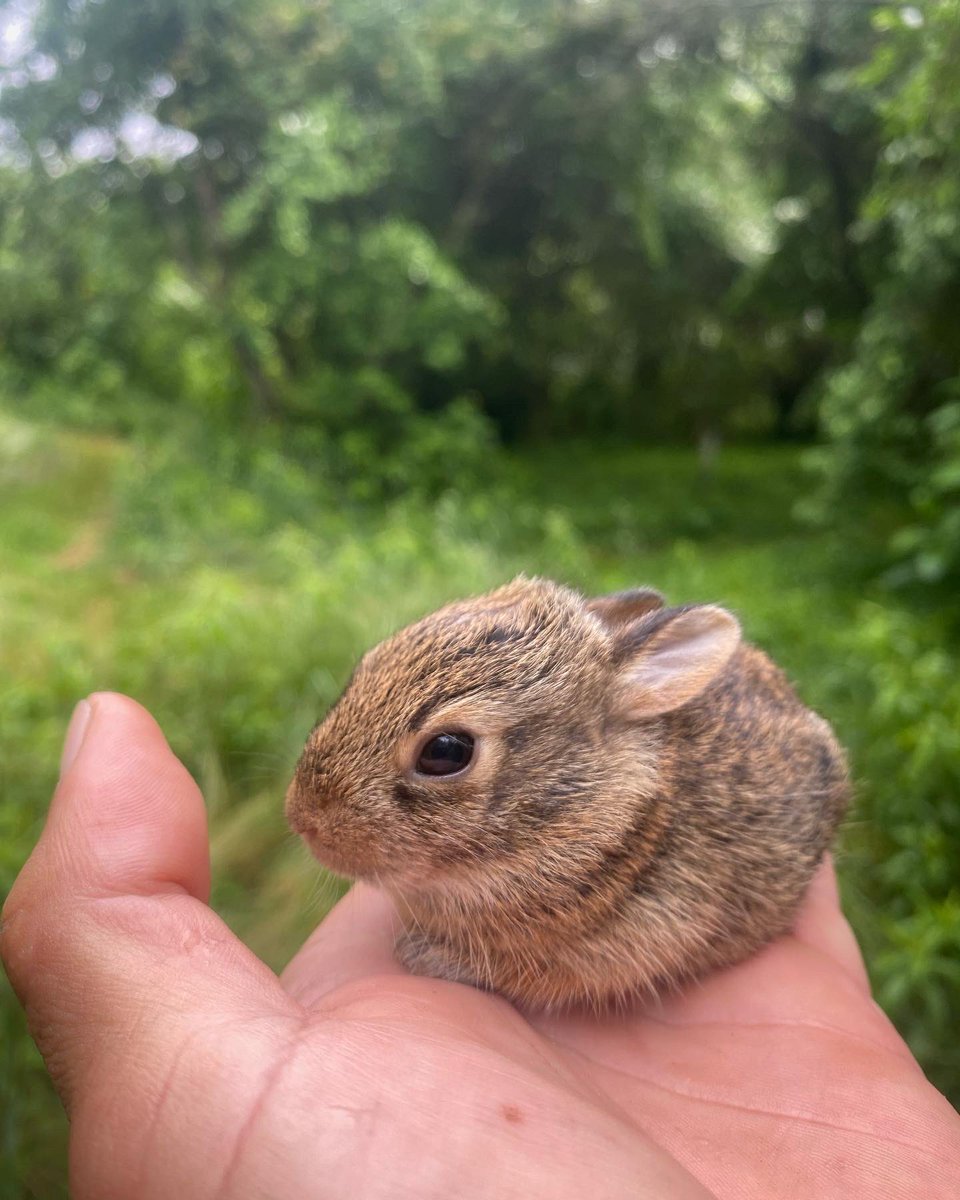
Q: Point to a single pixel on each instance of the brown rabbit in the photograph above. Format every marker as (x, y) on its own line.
(573, 801)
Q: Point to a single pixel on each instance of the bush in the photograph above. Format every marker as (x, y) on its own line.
(891, 414)
(903, 872)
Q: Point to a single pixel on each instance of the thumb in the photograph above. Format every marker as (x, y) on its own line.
(106, 935)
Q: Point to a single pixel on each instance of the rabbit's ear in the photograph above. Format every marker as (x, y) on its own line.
(667, 659)
(619, 608)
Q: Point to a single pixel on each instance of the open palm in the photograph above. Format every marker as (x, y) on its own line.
(191, 1072)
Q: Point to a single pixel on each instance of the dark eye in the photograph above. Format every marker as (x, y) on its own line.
(446, 754)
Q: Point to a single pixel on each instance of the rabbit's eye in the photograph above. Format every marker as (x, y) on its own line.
(446, 754)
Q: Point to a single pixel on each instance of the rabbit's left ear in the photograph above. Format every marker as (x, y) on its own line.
(619, 608)
(670, 657)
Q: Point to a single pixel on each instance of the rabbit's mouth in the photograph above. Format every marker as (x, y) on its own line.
(354, 857)
(333, 853)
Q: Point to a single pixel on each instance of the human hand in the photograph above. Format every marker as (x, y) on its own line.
(191, 1072)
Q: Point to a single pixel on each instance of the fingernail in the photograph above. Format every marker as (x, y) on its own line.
(75, 734)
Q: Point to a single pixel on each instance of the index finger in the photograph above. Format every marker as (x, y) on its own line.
(822, 925)
(355, 941)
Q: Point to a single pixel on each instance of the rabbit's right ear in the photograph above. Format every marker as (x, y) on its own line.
(619, 608)
(670, 657)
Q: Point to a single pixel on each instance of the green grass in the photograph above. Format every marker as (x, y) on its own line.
(231, 596)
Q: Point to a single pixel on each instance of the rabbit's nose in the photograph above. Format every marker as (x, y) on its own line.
(304, 803)
(312, 789)
(296, 809)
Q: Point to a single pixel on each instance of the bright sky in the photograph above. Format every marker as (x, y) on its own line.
(139, 133)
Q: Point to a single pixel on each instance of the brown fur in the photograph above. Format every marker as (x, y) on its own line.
(588, 855)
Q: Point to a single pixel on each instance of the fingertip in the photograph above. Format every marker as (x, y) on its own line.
(126, 815)
(821, 924)
(821, 904)
(76, 731)
(355, 941)
(824, 885)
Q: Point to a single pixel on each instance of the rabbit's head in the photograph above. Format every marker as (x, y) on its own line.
(500, 727)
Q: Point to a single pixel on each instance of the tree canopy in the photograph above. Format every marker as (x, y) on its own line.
(373, 225)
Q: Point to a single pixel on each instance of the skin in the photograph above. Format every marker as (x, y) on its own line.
(189, 1069)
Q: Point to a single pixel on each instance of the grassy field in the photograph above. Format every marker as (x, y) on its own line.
(231, 597)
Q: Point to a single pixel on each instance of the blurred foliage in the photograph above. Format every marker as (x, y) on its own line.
(906, 846)
(891, 414)
(573, 216)
(313, 316)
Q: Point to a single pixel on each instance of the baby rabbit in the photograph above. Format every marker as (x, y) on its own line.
(573, 801)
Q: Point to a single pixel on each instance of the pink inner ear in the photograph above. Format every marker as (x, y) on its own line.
(678, 661)
(619, 608)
